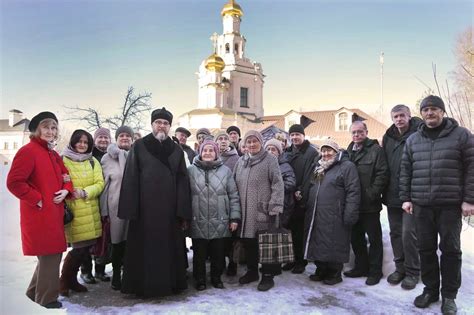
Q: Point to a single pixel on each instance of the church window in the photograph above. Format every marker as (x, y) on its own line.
(5, 145)
(236, 47)
(15, 145)
(244, 97)
(227, 48)
(343, 124)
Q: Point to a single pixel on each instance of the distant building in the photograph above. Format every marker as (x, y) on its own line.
(13, 135)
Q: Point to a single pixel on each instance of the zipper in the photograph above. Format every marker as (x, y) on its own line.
(312, 221)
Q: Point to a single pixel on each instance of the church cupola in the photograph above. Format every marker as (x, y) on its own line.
(214, 63)
(231, 17)
(232, 8)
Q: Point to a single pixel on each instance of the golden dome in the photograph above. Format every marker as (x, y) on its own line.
(232, 8)
(214, 63)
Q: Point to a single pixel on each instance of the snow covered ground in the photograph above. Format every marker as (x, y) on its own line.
(293, 294)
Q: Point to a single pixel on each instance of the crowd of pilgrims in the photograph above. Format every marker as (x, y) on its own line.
(135, 201)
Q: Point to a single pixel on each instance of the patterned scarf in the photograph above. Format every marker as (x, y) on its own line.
(322, 166)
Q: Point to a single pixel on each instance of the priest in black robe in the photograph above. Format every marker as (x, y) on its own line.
(155, 199)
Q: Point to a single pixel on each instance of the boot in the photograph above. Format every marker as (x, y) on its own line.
(266, 283)
(68, 279)
(288, 266)
(231, 269)
(448, 307)
(250, 276)
(116, 279)
(319, 275)
(217, 282)
(333, 278)
(100, 273)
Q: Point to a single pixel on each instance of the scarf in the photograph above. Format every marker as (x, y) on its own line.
(323, 166)
(76, 156)
(250, 160)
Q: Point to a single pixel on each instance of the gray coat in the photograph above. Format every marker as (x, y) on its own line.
(333, 207)
(215, 200)
(230, 158)
(261, 191)
(113, 165)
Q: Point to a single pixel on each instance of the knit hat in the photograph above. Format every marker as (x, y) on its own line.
(432, 100)
(332, 144)
(254, 133)
(233, 128)
(209, 142)
(296, 128)
(123, 129)
(276, 143)
(161, 114)
(35, 121)
(102, 132)
(221, 133)
(203, 131)
(183, 130)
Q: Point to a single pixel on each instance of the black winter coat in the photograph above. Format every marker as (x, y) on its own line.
(333, 207)
(393, 144)
(373, 173)
(289, 181)
(438, 172)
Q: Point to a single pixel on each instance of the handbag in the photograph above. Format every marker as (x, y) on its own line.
(68, 215)
(275, 245)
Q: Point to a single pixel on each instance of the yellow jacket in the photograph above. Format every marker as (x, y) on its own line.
(86, 224)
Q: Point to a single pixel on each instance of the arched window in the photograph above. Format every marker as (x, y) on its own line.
(343, 123)
(227, 48)
(236, 48)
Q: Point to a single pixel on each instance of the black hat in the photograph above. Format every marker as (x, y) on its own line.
(161, 114)
(35, 121)
(296, 128)
(123, 129)
(183, 130)
(233, 128)
(432, 100)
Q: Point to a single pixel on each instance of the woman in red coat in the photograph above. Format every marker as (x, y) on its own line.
(40, 180)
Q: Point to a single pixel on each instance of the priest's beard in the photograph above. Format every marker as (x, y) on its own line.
(160, 136)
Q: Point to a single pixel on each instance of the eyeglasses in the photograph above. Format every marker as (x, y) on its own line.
(161, 122)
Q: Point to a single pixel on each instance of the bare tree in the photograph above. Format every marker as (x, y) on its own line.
(131, 113)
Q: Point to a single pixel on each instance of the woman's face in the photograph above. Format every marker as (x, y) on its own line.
(328, 153)
(82, 145)
(48, 132)
(208, 154)
(253, 145)
(273, 150)
(124, 141)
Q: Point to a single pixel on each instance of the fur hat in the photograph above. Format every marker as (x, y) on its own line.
(35, 121)
(203, 131)
(276, 143)
(161, 114)
(211, 143)
(253, 133)
(102, 132)
(183, 130)
(296, 128)
(332, 144)
(233, 128)
(123, 129)
(432, 100)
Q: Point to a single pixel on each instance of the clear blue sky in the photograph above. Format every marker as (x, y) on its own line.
(316, 54)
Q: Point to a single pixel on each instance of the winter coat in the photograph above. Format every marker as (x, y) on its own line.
(113, 166)
(35, 175)
(98, 154)
(86, 224)
(301, 160)
(393, 145)
(289, 182)
(230, 158)
(333, 207)
(373, 173)
(261, 191)
(215, 200)
(438, 172)
(190, 154)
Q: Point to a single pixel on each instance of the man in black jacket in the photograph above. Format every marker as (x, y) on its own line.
(402, 224)
(301, 155)
(182, 134)
(371, 164)
(437, 187)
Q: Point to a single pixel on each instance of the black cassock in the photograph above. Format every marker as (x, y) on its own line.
(155, 198)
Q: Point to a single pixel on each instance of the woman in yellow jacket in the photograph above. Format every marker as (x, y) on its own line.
(86, 227)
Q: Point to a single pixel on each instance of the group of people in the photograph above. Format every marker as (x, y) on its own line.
(144, 197)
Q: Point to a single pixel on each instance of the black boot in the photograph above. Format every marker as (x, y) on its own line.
(116, 279)
(266, 283)
(217, 283)
(100, 273)
(250, 276)
(333, 278)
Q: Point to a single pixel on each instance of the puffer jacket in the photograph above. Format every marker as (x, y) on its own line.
(373, 174)
(86, 224)
(289, 181)
(333, 207)
(215, 199)
(438, 172)
(393, 144)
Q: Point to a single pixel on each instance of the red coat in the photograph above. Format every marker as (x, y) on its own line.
(36, 174)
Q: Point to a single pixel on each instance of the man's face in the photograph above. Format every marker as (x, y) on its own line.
(161, 128)
(223, 143)
(433, 116)
(182, 138)
(233, 136)
(359, 133)
(401, 119)
(102, 142)
(297, 138)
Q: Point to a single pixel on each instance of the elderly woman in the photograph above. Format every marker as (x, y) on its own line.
(216, 212)
(333, 207)
(113, 166)
(86, 227)
(39, 179)
(261, 191)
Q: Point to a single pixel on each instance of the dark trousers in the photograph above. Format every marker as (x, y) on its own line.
(86, 266)
(371, 261)
(404, 241)
(330, 269)
(203, 248)
(296, 226)
(447, 223)
(251, 254)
